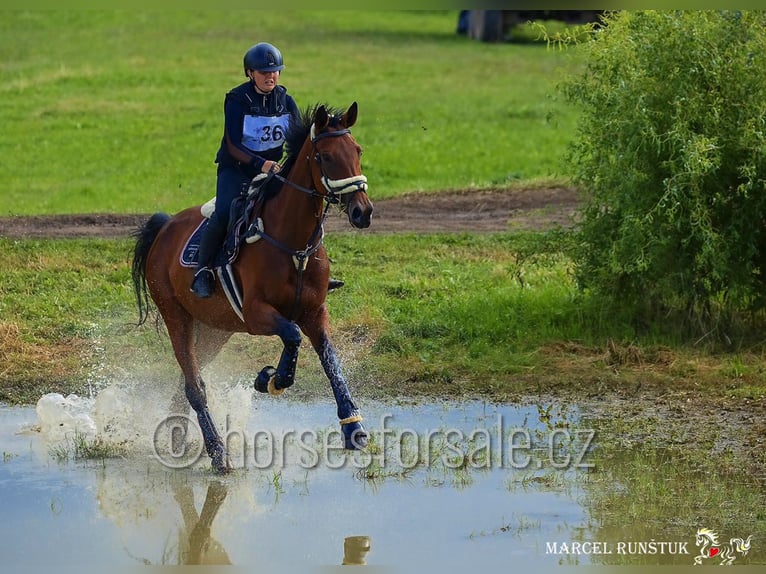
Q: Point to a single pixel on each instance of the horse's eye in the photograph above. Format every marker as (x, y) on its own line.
(327, 158)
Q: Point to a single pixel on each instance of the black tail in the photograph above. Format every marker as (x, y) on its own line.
(145, 236)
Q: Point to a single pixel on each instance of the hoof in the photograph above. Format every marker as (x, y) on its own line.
(354, 436)
(272, 387)
(266, 382)
(265, 379)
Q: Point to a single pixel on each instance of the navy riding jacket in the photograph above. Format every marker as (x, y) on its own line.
(255, 124)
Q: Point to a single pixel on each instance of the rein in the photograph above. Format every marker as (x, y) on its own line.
(336, 188)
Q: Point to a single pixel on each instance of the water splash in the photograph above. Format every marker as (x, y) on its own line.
(61, 417)
(129, 412)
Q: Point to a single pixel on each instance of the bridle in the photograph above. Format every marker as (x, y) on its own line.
(336, 189)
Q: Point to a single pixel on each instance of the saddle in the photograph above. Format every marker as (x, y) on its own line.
(242, 219)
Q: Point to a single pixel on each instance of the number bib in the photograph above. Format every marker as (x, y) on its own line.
(262, 133)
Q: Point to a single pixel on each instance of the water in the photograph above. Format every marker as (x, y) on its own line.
(479, 502)
(444, 487)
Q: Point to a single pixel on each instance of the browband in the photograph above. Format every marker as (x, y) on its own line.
(315, 138)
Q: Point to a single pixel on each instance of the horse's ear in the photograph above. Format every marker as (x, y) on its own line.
(321, 118)
(349, 118)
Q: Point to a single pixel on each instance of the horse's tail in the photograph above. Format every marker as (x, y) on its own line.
(145, 236)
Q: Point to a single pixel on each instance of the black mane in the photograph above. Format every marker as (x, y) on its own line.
(297, 132)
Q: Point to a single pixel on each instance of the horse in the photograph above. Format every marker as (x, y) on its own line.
(282, 271)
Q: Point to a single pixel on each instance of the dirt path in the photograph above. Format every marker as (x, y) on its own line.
(475, 211)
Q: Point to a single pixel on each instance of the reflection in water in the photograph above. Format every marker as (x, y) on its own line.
(355, 549)
(195, 545)
(413, 501)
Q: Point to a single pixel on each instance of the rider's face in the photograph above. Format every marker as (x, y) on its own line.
(264, 81)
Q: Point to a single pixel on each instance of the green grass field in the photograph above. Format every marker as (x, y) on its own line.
(122, 111)
(491, 315)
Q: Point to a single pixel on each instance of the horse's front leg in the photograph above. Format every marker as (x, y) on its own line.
(316, 328)
(275, 381)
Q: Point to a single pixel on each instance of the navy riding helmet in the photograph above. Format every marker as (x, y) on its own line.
(263, 57)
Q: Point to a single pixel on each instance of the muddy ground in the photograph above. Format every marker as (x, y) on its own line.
(460, 211)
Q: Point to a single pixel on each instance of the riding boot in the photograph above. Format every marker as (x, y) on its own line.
(204, 282)
(204, 278)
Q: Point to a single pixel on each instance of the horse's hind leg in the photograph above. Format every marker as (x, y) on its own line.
(209, 342)
(181, 330)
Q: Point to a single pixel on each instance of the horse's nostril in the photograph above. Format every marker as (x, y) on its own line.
(356, 214)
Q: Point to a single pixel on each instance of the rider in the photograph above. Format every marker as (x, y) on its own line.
(256, 117)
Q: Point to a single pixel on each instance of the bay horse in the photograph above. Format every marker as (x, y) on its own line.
(283, 277)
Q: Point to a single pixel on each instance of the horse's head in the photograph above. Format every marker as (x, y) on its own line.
(336, 167)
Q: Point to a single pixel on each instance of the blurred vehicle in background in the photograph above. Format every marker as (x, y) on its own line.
(496, 25)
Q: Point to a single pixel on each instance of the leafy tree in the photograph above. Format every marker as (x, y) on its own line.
(671, 154)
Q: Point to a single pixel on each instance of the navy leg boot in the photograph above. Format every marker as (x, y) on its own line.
(204, 278)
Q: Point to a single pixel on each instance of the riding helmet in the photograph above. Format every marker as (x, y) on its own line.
(263, 57)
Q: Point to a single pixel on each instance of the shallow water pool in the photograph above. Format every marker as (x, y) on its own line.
(443, 487)
(438, 490)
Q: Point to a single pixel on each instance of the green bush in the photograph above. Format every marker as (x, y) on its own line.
(671, 153)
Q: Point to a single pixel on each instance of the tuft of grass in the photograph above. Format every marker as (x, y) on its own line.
(80, 447)
(516, 529)
(276, 483)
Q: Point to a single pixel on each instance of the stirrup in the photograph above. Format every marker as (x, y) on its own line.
(334, 284)
(203, 283)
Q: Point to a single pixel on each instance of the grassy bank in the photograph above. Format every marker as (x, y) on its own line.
(496, 315)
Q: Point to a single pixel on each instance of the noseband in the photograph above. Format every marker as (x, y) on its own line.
(336, 188)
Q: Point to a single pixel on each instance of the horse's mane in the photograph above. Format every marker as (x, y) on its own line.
(297, 132)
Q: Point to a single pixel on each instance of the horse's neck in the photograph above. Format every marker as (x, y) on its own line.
(292, 216)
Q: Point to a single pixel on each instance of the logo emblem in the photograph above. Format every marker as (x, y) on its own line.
(707, 541)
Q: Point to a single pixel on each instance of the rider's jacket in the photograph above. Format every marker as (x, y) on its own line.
(256, 124)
